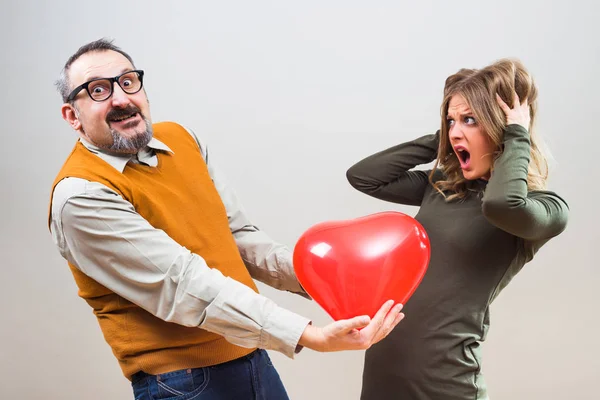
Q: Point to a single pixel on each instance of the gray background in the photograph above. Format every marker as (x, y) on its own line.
(288, 95)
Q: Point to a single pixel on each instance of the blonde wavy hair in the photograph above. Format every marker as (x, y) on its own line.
(479, 87)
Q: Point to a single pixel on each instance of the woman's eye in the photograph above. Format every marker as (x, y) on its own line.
(450, 122)
(470, 121)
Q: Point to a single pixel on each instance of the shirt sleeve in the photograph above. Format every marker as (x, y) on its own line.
(267, 260)
(101, 234)
(507, 202)
(387, 175)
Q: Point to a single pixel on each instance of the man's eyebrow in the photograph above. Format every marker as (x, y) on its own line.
(93, 77)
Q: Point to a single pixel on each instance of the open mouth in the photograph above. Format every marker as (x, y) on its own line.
(126, 117)
(463, 156)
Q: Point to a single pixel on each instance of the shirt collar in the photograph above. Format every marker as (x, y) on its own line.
(118, 160)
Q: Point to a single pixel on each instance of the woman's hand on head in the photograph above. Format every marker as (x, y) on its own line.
(519, 114)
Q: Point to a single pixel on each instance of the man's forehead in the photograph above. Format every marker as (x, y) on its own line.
(98, 64)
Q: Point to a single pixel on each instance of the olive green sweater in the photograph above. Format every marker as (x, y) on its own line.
(477, 246)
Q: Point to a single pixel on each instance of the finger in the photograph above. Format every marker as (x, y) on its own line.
(347, 325)
(389, 323)
(502, 104)
(377, 321)
(516, 101)
(379, 318)
(399, 317)
(391, 320)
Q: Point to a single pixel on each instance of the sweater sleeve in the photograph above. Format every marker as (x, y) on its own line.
(387, 175)
(507, 203)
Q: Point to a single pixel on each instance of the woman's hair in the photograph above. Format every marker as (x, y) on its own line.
(479, 88)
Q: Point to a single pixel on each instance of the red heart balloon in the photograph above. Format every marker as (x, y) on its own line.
(352, 267)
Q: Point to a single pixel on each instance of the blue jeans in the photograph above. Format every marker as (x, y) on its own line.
(251, 377)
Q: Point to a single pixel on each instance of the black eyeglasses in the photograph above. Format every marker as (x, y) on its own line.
(101, 89)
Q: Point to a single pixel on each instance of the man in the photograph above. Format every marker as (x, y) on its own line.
(160, 248)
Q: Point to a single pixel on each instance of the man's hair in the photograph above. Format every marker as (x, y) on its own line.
(62, 84)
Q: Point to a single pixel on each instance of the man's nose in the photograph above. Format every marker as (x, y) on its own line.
(119, 98)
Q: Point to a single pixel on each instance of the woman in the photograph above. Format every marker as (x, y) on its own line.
(486, 212)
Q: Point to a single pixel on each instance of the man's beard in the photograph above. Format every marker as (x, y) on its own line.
(122, 144)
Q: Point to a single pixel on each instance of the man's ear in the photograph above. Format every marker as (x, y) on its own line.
(69, 114)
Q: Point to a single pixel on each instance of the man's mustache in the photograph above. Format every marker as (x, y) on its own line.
(120, 113)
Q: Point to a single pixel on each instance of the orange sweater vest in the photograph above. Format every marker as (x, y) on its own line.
(179, 197)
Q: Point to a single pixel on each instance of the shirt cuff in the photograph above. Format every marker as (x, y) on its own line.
(292, 284)
(282, 331)
(296, 288)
